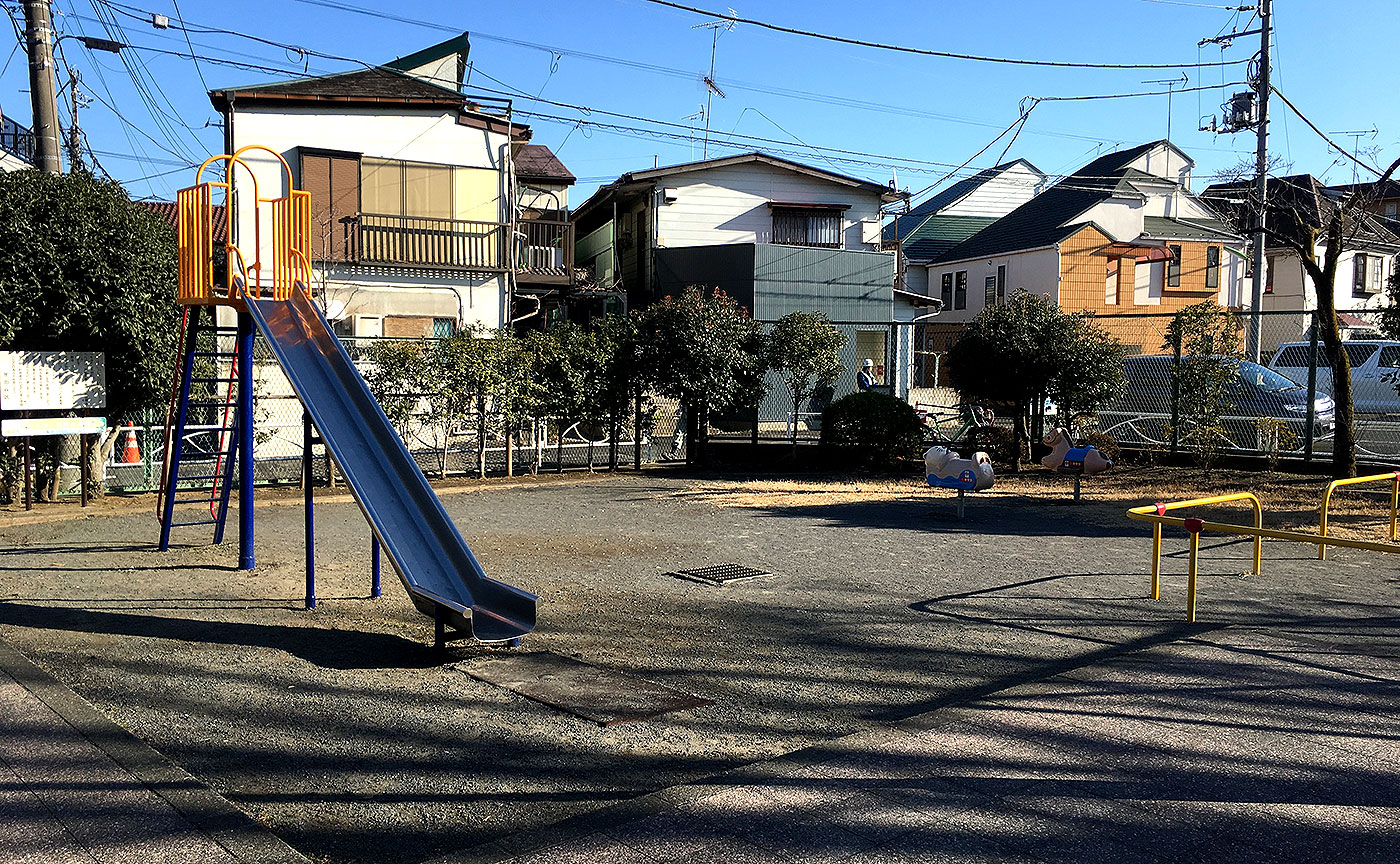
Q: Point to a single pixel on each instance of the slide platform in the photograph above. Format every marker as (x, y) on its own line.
(442, 576)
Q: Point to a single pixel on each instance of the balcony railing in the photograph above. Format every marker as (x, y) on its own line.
(543, 249)
(16, 140)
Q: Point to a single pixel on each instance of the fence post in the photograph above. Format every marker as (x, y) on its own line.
(1312, 390)
(637, 430)
(1176, 392)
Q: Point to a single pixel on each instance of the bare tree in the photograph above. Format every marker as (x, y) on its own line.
(1340, 223)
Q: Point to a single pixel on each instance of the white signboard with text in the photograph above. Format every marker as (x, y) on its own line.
(52, 381)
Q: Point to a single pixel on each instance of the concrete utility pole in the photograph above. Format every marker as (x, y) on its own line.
(38, 38)
(75, 144)
(1261, 181)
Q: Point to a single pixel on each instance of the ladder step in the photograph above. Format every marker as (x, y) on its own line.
(200, 500)
(190, 479)
(201, 379)
(199, 522)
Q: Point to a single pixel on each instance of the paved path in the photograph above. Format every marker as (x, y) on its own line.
(75, 787)
(1234, 745)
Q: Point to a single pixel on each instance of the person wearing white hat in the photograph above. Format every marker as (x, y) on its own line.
(864, 378)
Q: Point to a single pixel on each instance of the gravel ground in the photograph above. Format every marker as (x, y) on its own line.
(339, 730)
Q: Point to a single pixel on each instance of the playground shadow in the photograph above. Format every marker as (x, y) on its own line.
(101, 558)
(938, 516)
(326, 647)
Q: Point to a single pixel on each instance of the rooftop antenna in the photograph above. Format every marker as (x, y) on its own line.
(1356, 135)
(702, 113)
(725, 24)
(1172, 84)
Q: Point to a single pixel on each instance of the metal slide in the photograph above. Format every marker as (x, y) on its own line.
(440, 573)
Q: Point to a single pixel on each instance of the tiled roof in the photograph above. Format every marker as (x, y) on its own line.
(167, 211)
(538, 162)
(937, 234)
(1041, 221)
(1307, 206)
(911, 221)
(379, 84)
(1162, 228)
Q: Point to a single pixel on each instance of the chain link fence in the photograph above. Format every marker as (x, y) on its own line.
(1281, 410)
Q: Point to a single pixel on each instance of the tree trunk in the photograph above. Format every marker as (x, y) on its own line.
(510, 449)
(637, 430)
(1018, 438)
(1344, 436)
(796, 405)
(442, 461)
(481, 438)
(614, 431)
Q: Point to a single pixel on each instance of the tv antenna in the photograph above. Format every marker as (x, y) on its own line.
(1356, 135)
(711, 88)
(1172, 84)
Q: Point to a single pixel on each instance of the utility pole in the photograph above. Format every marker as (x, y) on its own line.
(38, 37)
(1261, 181)
(75, 147)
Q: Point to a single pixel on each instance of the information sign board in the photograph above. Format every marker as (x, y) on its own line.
(52, 381)
(53, 426)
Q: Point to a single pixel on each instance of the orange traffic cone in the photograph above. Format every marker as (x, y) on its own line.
(132, 454)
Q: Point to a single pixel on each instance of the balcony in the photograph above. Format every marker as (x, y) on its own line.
(16, 140)
(543, 249)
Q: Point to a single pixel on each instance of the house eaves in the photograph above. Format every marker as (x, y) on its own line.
(652, 174)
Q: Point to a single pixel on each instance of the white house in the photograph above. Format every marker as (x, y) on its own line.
(956, 213)
(416, 222)
(1300, 205)
(1124, 233)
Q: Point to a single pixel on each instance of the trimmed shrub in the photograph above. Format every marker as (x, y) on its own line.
(871, 431)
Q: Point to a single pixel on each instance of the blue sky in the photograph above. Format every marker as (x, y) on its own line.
(918, 116)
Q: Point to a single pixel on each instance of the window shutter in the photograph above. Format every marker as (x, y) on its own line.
(334, 184)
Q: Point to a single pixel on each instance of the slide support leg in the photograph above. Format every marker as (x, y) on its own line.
(310, 511)
(374, 590)
(246, 560)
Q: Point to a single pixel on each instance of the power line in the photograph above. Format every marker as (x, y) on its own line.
(1321, 134)
(928, 52)
(180, 16)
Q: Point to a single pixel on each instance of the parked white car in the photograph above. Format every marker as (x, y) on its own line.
(1375, 372)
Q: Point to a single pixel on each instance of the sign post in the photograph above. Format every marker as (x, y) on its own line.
(52, 381)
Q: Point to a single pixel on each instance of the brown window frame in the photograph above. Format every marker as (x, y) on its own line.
(1212, 267)
(1174, 266)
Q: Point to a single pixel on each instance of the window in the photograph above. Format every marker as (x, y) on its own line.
(407, 189)
(1174, 267)
(1001, 284)
(1268, 276)
(801, 226)
(334, 183)
(1357, 355)
(960, 290)
(1358, 273)
(1391, 208)
(1390, 357)
(947, 291)
(1212, 266)
(989, 291)
(443, 328)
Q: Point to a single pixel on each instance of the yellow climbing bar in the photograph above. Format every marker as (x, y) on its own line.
(1156, 514)
(1392, 476)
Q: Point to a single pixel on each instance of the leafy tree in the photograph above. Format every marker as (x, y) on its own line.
(802, 348)
(396, 373)
(570, 369)
(623, 374)
(517, 394)
(1027, 349)
(1207, 338)
(704, 349)
(82, 268)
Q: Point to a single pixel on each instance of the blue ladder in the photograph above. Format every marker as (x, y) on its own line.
(197, 394)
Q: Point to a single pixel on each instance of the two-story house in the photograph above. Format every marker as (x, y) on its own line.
(1122, 234)
(1382, 199)
(1299, 208)
(420, 222)
(777, 235)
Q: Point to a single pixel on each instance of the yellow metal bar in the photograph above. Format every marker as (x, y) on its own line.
(1272, 533)
(1393, 477)
(1191, 569)
(1253, 499)
(1156, 560)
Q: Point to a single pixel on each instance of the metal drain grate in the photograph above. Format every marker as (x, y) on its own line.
(720, 574)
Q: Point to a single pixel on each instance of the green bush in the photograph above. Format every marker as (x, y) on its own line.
(1105, 444)
(871, 431)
